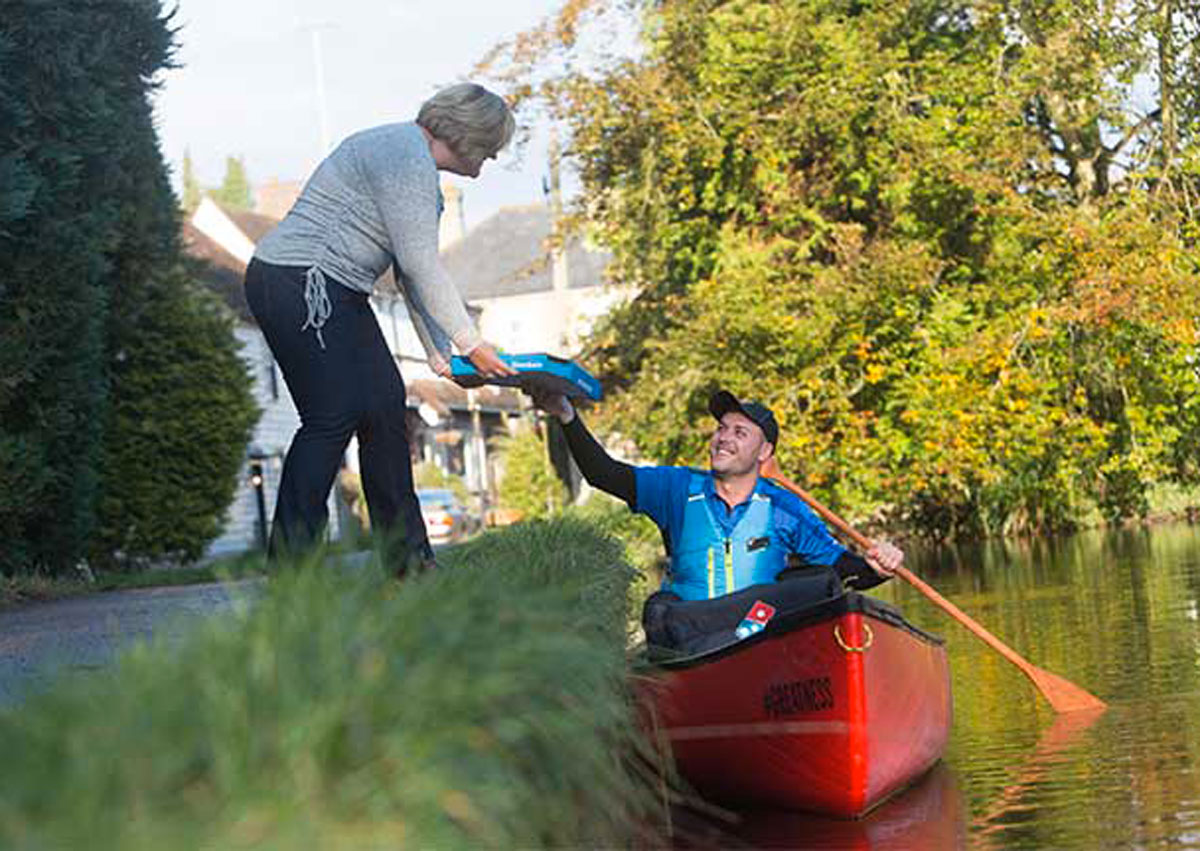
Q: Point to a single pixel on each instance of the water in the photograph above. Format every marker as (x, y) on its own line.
(1114, 612)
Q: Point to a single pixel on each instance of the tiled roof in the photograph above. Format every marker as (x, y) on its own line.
(274, 197)
(508, 254)
(220, 271)
(254, 225)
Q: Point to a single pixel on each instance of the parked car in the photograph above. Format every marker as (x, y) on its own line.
(446, 519)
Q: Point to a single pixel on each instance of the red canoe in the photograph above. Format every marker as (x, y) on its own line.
(831, 709)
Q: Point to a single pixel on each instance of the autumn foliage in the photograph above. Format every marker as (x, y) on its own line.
(952, 243)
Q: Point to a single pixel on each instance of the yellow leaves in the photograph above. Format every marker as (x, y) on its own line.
(1128, 263)
(459, 806)
(1184, 330)
(996, 362)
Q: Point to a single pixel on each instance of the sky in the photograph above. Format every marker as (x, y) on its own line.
(248, 83)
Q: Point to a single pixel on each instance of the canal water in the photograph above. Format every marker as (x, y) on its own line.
(1115, 612)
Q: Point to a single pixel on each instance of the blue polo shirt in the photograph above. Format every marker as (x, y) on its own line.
(662, 495)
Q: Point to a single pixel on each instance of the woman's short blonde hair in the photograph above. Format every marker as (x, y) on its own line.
(474, 122)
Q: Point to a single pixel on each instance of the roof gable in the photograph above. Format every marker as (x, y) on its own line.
(509, 254)
(219, 270)
(254, 225)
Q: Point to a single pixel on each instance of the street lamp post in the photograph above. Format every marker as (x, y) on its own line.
(256, 482)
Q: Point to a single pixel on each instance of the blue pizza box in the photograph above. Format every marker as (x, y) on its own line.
(535, 371)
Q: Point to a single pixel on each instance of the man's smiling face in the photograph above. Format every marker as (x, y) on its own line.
(737, 446)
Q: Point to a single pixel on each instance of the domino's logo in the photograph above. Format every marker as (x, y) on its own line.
(755, 620)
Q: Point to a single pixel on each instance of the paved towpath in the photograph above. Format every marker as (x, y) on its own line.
(70, 637)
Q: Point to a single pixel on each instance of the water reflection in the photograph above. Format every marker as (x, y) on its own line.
(932, 814)
(1115, 612)
(929, 815)
(1046, 760)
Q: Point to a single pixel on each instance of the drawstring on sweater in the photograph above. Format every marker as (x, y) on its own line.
(316, 299)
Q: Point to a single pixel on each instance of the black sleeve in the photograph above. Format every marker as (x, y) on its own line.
(855, 572)
(597, 466)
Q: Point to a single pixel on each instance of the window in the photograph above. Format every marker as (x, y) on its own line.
(272, 377)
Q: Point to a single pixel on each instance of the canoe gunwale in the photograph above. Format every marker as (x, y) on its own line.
(822, 610)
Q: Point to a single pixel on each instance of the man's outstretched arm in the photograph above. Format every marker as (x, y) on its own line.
(600, 469)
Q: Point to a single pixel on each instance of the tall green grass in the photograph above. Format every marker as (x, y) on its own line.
(485, 705)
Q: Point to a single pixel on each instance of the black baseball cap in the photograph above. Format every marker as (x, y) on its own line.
(722, 402)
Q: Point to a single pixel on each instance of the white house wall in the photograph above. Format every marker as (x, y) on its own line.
(401, 337)
(268, 446)
(548, 321)
(279, 422)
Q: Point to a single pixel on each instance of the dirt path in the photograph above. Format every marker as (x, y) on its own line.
(73, 636)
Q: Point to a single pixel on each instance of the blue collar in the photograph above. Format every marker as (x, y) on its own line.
(727, 517)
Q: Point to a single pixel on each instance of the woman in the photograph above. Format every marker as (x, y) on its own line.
(373, 203)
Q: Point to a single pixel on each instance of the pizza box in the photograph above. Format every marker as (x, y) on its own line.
(535, 371)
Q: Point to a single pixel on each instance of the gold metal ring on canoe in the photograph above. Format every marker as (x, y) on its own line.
(868, 638)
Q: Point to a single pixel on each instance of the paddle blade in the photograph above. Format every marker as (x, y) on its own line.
(1063, 694)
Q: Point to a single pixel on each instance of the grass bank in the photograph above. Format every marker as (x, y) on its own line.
(483, 706)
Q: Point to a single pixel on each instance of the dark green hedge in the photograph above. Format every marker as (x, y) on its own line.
(90, 280)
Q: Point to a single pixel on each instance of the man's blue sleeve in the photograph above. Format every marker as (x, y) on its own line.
(807, 536)
(661, 493)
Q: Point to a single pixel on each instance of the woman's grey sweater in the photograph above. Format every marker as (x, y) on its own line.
(372, 203)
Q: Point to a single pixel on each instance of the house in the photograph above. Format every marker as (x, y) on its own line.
(448, 425)
(532, 297)
(274, 197)
(225, 242)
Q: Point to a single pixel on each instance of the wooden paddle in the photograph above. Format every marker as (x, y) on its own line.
(1063, 695)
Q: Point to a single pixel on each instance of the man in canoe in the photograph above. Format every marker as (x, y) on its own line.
(725, 528)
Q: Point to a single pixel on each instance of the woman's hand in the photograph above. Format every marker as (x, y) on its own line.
(441, 366)
(485, 360)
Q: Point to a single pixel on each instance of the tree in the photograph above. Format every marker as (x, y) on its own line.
(234, 191)
(180, 409)
(180, 416)
(64, 98)
(100, 327)
(528, 482)
(933, 235)
(191, 186)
